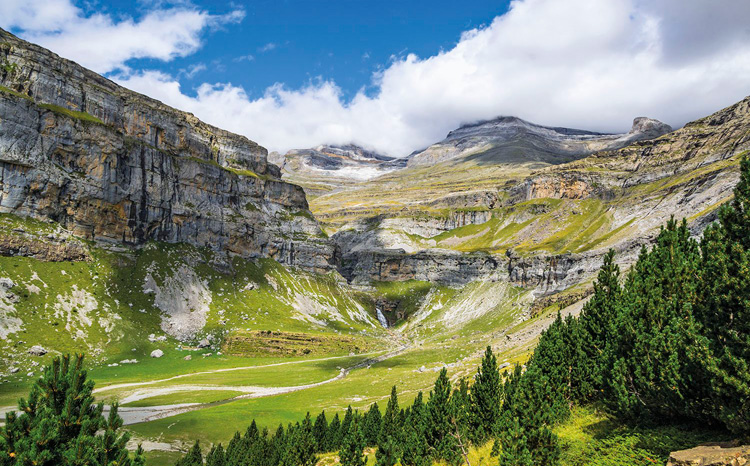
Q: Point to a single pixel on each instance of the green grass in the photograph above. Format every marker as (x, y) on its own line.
(591, 438)
(7, 90)
(83, 116)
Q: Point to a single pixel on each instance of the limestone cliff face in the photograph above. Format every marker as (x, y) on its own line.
(112, 165)
(549, 230)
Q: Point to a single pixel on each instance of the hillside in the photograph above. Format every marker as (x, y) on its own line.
(327, 168)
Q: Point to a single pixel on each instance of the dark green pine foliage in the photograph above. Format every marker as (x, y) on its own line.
(439, 428)
(724, 307)
(60, 422)
(193, 457)
(415, 449)
(352, 446)
(485, 399)
(389, 440)
(299, 448)
(215, 457)
(236, 450)
(371, 425)
(346, 422)
(515, 450)
(659, 352)
(590, 367)
(320, 432)
(461, 417)
(334, 434)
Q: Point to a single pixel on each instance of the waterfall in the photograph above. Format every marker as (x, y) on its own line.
(381, 318)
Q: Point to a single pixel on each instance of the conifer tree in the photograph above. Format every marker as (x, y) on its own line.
(347, 421)
(193, 457)
(660, 349)
(439, 438)
(371, 425)
(485, 398)
(597, 331)
(389, 443)
(724, 307)
(334, 434)
(415, 450)
(60, 422)
(461, 417)
(215, 457)
(320, 432)
(352, 447)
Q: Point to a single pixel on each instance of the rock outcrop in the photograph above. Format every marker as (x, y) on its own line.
(327, 168)
(513, 140)
(115, 166)
(711, 455)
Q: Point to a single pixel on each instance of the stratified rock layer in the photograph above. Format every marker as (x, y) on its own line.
(115, 166)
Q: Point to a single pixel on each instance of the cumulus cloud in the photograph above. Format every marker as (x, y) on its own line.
(104, 43)
(579, 63)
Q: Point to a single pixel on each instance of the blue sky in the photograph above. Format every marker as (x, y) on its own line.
(295, 41)
(395, 76)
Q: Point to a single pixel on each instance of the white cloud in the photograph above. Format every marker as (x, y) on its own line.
(580, 63)
(267, 48)
(103, 43)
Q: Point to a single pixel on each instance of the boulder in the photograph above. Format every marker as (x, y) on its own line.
(711, 455)
(188, 357)
(37, 350)
(204, 343)
(157, 353)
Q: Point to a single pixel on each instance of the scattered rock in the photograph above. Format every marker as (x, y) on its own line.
(504, 365)
(14, 370)
(6, 283)
(250, 286)
(204, 343)
(157, 353)
(129, 361)
(711, 455)
(205, 355)
(37, 350)
(153, 338)
(30, 374)
(188, 357)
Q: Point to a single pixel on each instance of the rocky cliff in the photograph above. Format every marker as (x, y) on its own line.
(115, 166)
(513, 140)
(547, 229)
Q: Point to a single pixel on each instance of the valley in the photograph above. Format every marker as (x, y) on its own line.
(210, 283)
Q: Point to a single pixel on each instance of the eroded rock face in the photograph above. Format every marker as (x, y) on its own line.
(115, 166)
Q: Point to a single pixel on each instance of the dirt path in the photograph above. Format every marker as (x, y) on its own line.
(134, 415)
(216, 371)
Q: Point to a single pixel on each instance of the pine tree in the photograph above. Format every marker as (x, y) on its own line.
(352, 448)
(192, 457)
(724, 307)
(389, 442)
(461, 417)
(215, 457)
(320, 432)
(60, 422)
(439, 438)
(371, 425)
(334, 434)
(415, 450)
(515, 450)
(347, 421)
(485, 398)
(597, 332)
(659, 346)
